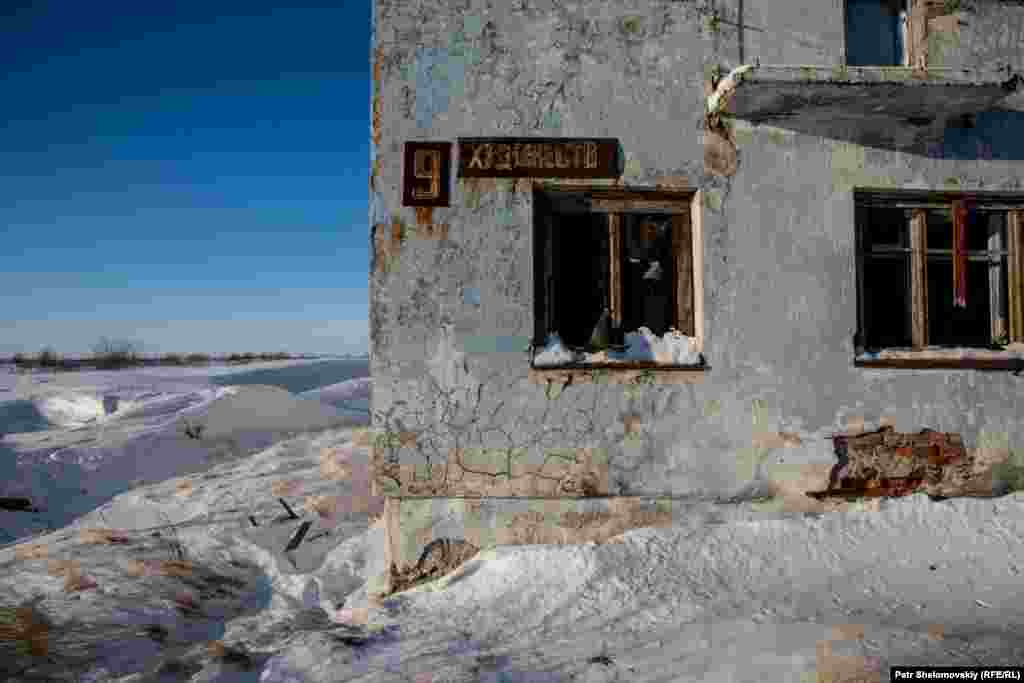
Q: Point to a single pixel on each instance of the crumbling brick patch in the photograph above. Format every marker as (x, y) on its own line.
(890, 463)
(438, 558)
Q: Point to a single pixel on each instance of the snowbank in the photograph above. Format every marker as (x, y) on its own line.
(75, 409)
(350, 396)
(71, 410)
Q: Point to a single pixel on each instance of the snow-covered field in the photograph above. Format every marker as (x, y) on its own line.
(722, 595)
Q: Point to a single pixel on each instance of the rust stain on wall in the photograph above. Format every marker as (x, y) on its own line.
(720, 156)
(672, 182)
(375, 119)
(471, 190)
(397, 232)
(833, 667)
(380, 247)
(948, 23)
(425, 217)
(631, 423)
(855, 424)
(776, 440)
(848, 632)
(378, 58)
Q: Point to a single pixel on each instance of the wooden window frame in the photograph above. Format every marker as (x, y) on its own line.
(688, 299)
(918, 202)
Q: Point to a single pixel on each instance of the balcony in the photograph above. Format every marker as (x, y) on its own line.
(890, 107)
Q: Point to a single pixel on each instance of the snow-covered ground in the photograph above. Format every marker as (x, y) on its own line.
(724, 594)
(73, 440)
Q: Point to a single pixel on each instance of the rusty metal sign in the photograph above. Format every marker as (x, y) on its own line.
(426, 174)
(539, 158)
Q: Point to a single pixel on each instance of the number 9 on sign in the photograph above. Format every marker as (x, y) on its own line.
(427, 170)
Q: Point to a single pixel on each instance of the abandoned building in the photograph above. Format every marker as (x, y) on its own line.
(631, 255)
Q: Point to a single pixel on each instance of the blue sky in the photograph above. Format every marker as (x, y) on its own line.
(191, 175)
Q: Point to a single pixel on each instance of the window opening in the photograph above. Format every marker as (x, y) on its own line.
(614, 285)
(908, 295)
(876, 33)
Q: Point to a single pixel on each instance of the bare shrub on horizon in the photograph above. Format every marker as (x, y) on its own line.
(48, 358)
(111, 354)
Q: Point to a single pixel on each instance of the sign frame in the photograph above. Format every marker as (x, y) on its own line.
(534, 157)
(426, 173)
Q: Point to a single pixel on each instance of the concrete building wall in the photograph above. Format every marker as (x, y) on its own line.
(451, 289)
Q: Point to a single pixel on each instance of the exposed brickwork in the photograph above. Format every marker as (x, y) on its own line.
(890, 463)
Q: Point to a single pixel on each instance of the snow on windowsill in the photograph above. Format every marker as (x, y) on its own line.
(1011, 352)
(673, 349)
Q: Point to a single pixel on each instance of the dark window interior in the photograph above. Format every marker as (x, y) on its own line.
(581, 274)
(646, 272)
(887, 301)
(887, 278)
(888, 227)
(572, 269)
(940, 229)
(873, 33)
(949, 325)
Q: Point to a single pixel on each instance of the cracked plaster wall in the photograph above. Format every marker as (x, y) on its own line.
(451, 290)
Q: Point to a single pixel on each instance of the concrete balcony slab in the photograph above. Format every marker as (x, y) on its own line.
(891, 107)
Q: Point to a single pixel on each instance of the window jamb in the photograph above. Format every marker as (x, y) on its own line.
(918, 279)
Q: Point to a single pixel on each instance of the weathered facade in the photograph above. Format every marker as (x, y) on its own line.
(786, 222)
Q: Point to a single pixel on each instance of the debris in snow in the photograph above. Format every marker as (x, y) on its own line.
(299, 535)
(291, 513)
(16, 504)
(438, 558)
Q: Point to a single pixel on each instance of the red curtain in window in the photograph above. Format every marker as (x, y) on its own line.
(960, 223)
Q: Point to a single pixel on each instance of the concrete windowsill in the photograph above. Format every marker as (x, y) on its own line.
(618, 373)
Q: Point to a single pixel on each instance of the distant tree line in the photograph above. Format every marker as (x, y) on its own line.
(109, 354)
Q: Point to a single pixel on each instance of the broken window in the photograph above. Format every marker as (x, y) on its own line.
(876, 33)
(939, 271)
(614, 278)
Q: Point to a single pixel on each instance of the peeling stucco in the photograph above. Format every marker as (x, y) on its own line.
(452, 310)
